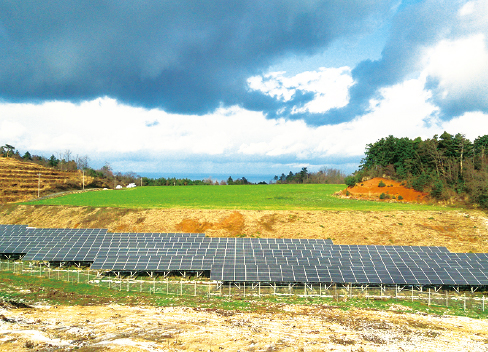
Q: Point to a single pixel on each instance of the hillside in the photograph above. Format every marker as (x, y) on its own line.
(20, 181)
(459, 231)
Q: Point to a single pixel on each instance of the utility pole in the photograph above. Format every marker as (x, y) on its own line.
(39, 185)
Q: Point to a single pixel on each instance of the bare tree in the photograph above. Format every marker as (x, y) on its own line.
(67, 155)
(81, 161)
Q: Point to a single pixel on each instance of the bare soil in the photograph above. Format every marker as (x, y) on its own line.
(290, 328)
(458, 230)
(392, 190)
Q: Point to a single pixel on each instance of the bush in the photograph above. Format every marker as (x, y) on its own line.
(381, 184)
(421, 182)
(384, 196)
(350, 181)
(438, 190)
(400, 198)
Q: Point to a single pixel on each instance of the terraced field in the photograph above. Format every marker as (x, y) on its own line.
(20, 181)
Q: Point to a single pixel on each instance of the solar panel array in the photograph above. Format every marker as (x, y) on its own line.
(248, 259)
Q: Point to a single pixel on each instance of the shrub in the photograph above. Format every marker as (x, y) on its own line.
(400, 198)
(437, 190)
(383, 196)
(420, 182)
(381, 184)
(350, 181)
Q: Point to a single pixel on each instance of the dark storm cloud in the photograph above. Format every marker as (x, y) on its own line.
(183, 56)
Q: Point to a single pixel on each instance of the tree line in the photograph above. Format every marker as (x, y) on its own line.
(107, 177)
(324, 176)
(449, 167)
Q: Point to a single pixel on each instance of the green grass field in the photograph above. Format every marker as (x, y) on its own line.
(251, 197)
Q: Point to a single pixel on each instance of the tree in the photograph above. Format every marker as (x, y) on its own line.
(480, 150)
(27, 156)
(106, 171)
(82, 162)
(350, 181)
(303, 175)
(53, 161)
(9, 150)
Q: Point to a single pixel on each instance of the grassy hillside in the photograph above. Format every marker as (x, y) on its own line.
(251, 197)
(21, 181)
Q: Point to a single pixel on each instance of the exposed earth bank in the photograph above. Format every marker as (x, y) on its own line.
(459, 231)
(288, 328)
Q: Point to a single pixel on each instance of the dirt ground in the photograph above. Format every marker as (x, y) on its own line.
(459, 231)
(292, 328)
(393, 190)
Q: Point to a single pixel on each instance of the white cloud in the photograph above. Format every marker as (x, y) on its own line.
(142, 140)
(467, 9)
(460, 66)
(471, 124)
(329, 85)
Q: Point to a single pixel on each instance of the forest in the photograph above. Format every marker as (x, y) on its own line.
(449, 167)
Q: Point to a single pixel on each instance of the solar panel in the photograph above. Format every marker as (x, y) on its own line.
(248, 259)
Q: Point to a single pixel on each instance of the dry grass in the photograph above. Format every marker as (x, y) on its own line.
(19, 181)
(459, 231)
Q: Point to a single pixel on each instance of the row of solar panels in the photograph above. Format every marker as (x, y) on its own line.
(248, 259)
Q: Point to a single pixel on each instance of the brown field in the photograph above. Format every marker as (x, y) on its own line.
(459, 231)
(19, 181)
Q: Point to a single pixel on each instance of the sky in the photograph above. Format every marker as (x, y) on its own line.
(241, 87)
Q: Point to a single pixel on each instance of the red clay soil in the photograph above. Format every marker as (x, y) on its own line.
(371, 190)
